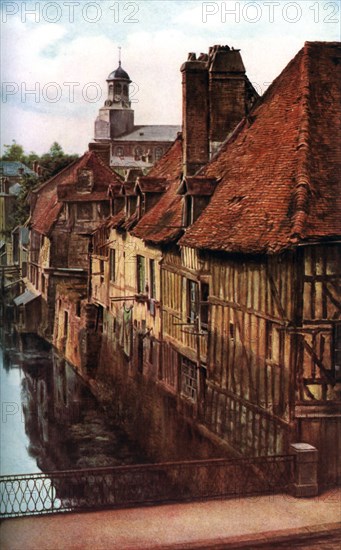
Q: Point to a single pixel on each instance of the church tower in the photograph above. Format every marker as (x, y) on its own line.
(116, 117)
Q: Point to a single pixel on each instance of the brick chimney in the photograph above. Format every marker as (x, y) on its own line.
(216, 96)
(195, 113)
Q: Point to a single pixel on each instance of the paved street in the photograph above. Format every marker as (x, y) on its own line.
(279, 521)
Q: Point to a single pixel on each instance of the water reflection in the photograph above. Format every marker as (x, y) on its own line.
(52, 421)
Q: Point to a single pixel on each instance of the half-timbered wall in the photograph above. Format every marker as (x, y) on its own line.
(251, 304)
(126, 283)
(317, 341)
(318, 345)
(185, 334)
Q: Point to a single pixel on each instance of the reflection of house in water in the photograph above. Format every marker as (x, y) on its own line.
(65, 428)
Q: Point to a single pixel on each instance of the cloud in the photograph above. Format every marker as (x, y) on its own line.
(153, 50)
(37, 131)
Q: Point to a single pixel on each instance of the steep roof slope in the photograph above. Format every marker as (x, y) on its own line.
(47, 204)
(280, 171)
(163, 222)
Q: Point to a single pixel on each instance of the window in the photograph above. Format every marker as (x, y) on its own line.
(84, 211)
(337, 351)
(66, 322)
(268, 340)
(192, 301)
(141, 274)
(151, 351)
(152, 284)
(204, 293)
(85, 180)
(118, 87)
(103, 209)
(43, 284)
(231, 331)
(99, 319)
(131, 205)
(189, 383)
(188, 211)
(141, 205)
(112, 265)
(78, 308)
(158, 153)
(138, 152)
(125, 90)
(101, 271)
(119, 151)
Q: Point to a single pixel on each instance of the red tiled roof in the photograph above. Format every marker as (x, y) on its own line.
(280, 171)
(163, 222)
(48, 205)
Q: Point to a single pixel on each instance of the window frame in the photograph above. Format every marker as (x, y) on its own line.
(140, 274)
(80, 218)
(188, 379)
(192, 300)
(112, 265)
(336, 350)
(152, 279)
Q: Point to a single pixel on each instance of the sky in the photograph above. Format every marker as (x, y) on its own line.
(56, 56)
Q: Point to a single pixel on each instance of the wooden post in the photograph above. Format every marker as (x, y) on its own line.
(305, 474)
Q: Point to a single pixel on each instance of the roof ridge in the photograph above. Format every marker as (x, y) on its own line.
(104, 165)
(302, 190)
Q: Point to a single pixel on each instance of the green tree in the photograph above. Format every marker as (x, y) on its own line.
(52, 162)
(22, 207)
(55, 160)
(14, 152)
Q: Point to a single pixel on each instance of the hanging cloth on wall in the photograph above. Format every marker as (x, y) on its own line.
(126, 335)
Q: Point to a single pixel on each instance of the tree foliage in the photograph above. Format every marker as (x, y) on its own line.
(50, 164)
(55, 160)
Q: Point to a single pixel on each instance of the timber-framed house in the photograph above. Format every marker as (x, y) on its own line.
(64, 212)
(215, 280)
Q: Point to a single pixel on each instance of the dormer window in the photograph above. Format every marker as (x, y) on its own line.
(197, 191)
(131, 205)
(85, 181)
(148, 190)
(188, 211)
(141, 204)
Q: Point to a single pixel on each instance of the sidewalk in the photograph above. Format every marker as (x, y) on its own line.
(218, 524)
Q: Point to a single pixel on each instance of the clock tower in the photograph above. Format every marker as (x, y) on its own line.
(116, 117)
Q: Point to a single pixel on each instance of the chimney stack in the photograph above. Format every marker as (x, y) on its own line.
(194, 114)
(216, 96)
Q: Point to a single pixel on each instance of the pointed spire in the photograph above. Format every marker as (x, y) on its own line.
(119, 55)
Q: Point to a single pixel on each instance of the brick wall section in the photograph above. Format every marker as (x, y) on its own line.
(195, 115)
(227, 105)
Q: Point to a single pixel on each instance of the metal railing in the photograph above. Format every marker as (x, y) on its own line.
(99, 488)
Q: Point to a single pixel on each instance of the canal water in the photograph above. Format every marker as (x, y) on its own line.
(49, 419)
